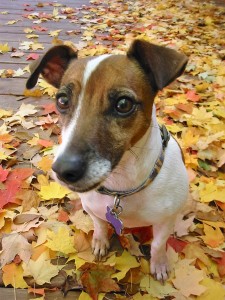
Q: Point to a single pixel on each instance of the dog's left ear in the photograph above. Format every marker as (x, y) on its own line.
(162, 65)
(52, 65)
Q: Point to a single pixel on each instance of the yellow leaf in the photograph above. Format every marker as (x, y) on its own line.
(33, 93)
(213, 237)
(13, 275)
(208, 20)
(43, 180)
(84, 296)
(53, 191)
(36, 46)
(215, 290)
(28, 30)
(5, 113)
(47, 88)
(32, 36)
(54, 33)
(139, 296)
(42, 270)
(155, 288)
(4, 48)
(45, 163)
(55, 241)
(174, 128)
(212, 192)
(124, 263)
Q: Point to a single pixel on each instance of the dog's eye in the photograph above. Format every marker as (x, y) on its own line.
(62, 103)
(125, 106)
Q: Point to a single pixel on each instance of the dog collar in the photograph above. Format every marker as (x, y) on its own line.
(112, 214)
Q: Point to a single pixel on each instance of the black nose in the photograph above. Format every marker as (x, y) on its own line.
(69, 168)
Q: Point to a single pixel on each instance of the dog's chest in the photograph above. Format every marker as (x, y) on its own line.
(137, 211)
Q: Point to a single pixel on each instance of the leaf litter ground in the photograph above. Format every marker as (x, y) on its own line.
(45, 235)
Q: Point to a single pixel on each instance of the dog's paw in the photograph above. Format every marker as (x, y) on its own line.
(100, 247)
(160, 269)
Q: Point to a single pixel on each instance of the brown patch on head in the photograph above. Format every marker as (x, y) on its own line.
(100, 127)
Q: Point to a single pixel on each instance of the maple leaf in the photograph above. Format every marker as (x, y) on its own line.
(123, 263)
(82, 221)
(53, 191)
(55, 241)
(214, 290)
(13, 275)
(32, 56)
(55, 33)
(12, 185)
(18, 73)
(155, 288)
(12, 245)
(26, 110)
(4, 48)
(181, 226)
(83, 247)
(42, 270)
(49, 108)
(17, 54)
(45, 143)
(45, 163)
(97, 278)
(185, 272)
(213, 237)
(3, 174)
(32, 93)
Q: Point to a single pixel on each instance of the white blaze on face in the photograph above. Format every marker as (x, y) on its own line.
(97, 167)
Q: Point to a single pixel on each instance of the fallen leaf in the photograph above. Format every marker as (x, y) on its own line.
(55, 241)
(42, 270)
(53, 191)
(188, 274)
(12, 245)
(13, 275)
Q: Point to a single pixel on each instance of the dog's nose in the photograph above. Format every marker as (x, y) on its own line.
(69, 168)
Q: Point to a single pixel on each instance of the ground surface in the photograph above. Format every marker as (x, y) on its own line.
(34, 221)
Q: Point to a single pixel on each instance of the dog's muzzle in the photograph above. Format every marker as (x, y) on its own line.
(70, 168)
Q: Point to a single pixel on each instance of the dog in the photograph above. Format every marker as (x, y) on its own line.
(127, 169)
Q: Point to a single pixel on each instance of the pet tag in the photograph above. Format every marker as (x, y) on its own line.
(113, 219)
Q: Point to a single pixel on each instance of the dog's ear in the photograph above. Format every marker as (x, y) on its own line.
(162, 65)
(52, 65)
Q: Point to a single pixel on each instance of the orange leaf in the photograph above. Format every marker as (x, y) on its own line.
(45, 143)
(45, 163)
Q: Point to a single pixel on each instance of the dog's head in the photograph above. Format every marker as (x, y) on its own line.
(105, 104)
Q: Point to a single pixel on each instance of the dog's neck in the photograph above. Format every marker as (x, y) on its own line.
(137, 163)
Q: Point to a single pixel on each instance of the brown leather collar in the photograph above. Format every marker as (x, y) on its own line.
(154, 172)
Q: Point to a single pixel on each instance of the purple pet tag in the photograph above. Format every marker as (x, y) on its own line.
(113, 219)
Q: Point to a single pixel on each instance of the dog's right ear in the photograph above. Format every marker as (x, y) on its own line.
(52, 65)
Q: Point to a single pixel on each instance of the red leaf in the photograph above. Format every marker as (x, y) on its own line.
(49, 108)
(221, 265)
(45, 143)
(192, 96)
(176, 244)
(13, 184)
(143, 234)
(40, 28)
(3, 174)
(32, 56)
(63, 216)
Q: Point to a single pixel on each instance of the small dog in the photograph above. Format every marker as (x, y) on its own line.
(125, 167)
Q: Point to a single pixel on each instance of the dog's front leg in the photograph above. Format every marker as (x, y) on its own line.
(159, 262)
(100, 241)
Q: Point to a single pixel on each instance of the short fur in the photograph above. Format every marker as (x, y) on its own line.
(117, 151)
